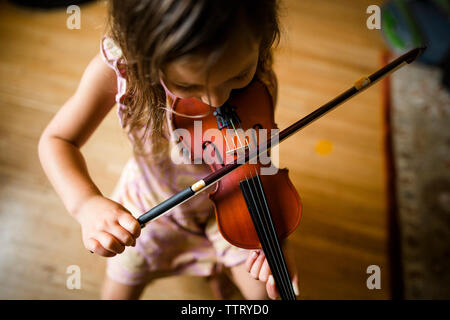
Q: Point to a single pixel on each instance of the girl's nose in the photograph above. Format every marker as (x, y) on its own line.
(216, 97)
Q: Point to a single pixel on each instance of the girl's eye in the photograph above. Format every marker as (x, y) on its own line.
(189, 88)
(241, 77)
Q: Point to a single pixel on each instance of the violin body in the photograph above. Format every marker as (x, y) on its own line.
(254, 108)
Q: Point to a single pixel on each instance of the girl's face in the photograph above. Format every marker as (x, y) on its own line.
(234, 69)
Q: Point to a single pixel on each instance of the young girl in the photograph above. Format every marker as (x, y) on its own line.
(158, 51)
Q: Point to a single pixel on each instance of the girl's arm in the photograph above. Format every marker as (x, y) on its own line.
(107, 227)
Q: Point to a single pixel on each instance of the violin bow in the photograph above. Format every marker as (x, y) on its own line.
(201, 185)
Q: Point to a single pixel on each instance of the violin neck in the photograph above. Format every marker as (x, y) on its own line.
(255, 199)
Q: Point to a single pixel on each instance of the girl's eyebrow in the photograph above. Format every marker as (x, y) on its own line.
(244, 71)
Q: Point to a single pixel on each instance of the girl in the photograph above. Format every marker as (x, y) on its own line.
(157, 52)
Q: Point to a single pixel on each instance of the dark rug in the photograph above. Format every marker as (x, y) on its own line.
(420, 137)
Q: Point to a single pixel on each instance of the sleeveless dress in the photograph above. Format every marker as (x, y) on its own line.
(184, 241)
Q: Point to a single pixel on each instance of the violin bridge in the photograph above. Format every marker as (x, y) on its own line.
(237, 149)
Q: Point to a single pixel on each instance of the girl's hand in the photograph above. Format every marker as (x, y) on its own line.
(258, 268)
(107, 227)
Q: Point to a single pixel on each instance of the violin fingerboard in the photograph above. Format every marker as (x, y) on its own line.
(258, 208)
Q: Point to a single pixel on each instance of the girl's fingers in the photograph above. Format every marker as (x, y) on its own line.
(259, 269)
(292, 269)
(130, 224)
(109, 242)
(257, 265)
(265, 271)
(95, 247)
(295, 285)
(251, 259)
(271, 288)
(121, 234)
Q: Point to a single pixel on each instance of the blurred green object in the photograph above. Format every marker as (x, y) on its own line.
(399, 26)
(444, 5)
(406, 24)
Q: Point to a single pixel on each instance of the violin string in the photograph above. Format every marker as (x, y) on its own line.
(271, 235)
(277, 247)
(270, 254)
(257, 222)
(226, 141)
(263, 238)
(236, 133)
(268, 239)
(247, 144)
(234, 145)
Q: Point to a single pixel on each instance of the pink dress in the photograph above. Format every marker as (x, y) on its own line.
(184, 241)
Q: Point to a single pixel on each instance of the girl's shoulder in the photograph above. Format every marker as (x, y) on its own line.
(112, 55)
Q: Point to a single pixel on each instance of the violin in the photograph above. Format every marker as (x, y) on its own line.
(256, 204)
(253, 210)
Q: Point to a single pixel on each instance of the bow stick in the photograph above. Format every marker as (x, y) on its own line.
(201, 185)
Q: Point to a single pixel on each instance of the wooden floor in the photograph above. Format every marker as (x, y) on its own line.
(337, 163)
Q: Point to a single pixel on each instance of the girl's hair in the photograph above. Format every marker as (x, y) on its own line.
(152, 33)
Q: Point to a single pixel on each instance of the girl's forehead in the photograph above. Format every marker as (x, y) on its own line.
(235, 57)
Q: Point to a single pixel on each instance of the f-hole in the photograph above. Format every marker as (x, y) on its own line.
(205, 144)
(255, 140)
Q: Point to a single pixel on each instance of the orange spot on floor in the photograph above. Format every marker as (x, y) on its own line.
(323, 147)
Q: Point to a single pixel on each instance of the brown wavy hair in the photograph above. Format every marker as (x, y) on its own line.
(153, 33)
